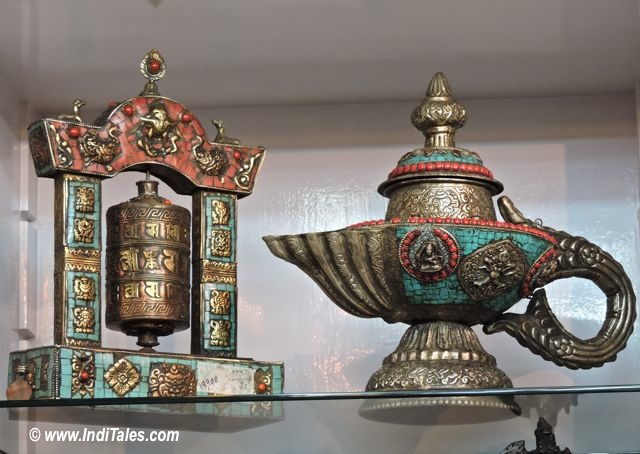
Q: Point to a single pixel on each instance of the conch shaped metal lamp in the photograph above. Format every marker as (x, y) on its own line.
(441, 262)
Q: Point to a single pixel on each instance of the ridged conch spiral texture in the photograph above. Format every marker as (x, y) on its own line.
(350, 267)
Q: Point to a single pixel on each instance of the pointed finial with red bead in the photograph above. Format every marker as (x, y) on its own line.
(153, 69)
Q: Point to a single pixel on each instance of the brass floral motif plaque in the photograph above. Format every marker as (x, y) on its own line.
(171, 380)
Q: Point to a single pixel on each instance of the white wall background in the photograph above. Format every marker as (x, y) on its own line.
(12, 234)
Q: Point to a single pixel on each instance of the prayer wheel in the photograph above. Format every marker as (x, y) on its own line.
(148, 273)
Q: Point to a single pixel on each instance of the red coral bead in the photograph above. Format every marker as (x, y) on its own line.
(154, 66)
(237, 155)
(128, 110)
(262, 387)
(186, 117)
(74, 132)
(84, 376)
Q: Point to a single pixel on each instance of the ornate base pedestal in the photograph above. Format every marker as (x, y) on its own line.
(439, 355)
(58, 372)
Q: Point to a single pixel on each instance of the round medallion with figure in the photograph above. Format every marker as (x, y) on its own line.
(429, 255)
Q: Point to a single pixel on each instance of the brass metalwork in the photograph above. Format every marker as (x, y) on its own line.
(221, 137)
(84, 288)
(220, 332)
(220, 212)
(438, 355)
(220, 302)
(172, 380)
(122, 377)
(218, 272)
(221, 243)
(262, 381)
(491, 269)
(153, 54)
(65, 155)
(157, 135)
(439, 114)
(148, 266)
(44, 371)
(40, 147)
(85, 199)
(84, 320)
(99, 150)
(243, 177)
(83, 374)
(78, 260)
(75, 117)
(538, 328)
(83, 230)
(440, 224)
(441, 200)
(212, 162)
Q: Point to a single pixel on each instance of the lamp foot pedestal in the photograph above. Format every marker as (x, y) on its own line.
(440, 356)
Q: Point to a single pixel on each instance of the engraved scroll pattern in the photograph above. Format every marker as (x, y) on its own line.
(442, 201)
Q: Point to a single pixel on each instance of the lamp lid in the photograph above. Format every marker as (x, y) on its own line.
(438, 117)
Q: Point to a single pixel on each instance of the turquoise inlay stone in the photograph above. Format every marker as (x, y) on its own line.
(103, 360)
(442, 156)
(470, 239)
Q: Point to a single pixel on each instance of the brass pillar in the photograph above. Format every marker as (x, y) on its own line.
(214, 304)
(77, 266)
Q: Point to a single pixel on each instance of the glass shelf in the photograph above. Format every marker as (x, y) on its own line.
(334, 396)
(586, 419)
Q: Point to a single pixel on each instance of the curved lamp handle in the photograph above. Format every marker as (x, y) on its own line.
(539, 330)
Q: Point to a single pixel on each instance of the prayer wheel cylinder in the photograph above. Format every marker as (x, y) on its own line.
(148, 266)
